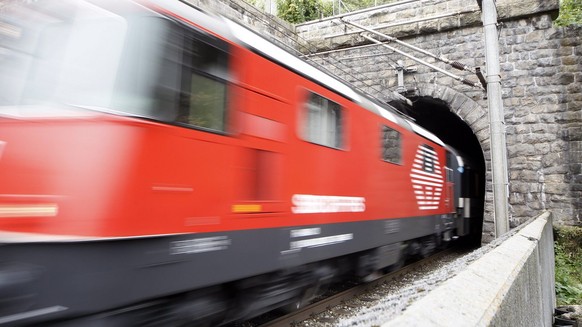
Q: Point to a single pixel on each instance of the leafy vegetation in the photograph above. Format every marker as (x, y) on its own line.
(299, 11)
(570, 13)
(568, 250)
(352, 5)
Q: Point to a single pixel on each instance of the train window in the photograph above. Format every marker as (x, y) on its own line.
(448, 168)
(391, 145)
(58, 52)
(97, 59)
(203, 87)
(324, 122)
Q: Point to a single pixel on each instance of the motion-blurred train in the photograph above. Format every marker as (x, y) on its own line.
(163, 166)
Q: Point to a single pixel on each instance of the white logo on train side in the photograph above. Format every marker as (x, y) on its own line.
(308, 203)
(427, 178)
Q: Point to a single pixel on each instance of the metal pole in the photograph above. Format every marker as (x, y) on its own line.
(496, 119)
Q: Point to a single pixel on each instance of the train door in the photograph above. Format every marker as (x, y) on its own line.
(259, 170)
(262, 132)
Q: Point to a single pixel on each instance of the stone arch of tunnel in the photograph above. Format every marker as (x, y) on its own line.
(447, 114)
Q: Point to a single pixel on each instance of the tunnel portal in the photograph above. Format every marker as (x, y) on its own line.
(436, 116)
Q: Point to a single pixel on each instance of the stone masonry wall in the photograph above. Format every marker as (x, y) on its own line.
(541, 80)
(543, 112)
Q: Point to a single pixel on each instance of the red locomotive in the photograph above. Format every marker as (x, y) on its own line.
(161, 165)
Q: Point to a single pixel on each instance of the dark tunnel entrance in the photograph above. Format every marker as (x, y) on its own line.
(436, 116)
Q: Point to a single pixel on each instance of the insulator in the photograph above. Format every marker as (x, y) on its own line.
(468, 82)
(458, 65)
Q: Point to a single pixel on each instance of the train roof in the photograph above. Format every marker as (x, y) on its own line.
(250, 39)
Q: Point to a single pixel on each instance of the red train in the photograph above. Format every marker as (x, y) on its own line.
(159, 165)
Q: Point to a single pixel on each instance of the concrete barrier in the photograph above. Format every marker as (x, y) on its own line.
(511, 285)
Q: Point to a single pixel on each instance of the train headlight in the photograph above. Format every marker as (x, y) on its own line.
(28, 210)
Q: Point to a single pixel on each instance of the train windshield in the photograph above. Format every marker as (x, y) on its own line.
(80, 54)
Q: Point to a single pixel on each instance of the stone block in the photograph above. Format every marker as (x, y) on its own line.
(565, 78)
(575, 87)
(570, 41)
(530, 119)
(542, 22)
(521, 149)
(550, 99)
(535, 36)
(565, 51)
(553, 159)
(525, 80)
(471, 19)
(428, 26)
(544, 71)
(572, 116)
(542, 148)
(573, 133)
(557, 188)
(555, 178)
(548, 62)
(507, 67)
(558, 146)
(548, 118)
(570, 60)
(523, 47)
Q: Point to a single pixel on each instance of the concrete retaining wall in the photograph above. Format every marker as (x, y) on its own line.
(512, 285)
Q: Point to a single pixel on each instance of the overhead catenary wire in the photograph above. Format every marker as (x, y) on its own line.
(455, 64)
(361, 11)
(456, 77)
(392, 39)
(407, 22)
(316, 56)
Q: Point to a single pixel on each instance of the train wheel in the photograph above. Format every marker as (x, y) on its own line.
(428, 246)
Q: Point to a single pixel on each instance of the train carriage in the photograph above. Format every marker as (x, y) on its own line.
(155, 158)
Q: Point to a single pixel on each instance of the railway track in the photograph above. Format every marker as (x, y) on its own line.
(309, 311)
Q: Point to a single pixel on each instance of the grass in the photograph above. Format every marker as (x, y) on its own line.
(568, 251)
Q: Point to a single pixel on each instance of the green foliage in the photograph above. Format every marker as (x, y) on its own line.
(353, 5)
(568, 251)
(299, 11)
(257, 3)
(570, 13)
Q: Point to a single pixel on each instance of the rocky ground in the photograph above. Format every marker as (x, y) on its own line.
(569, 315)
(390, 300)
